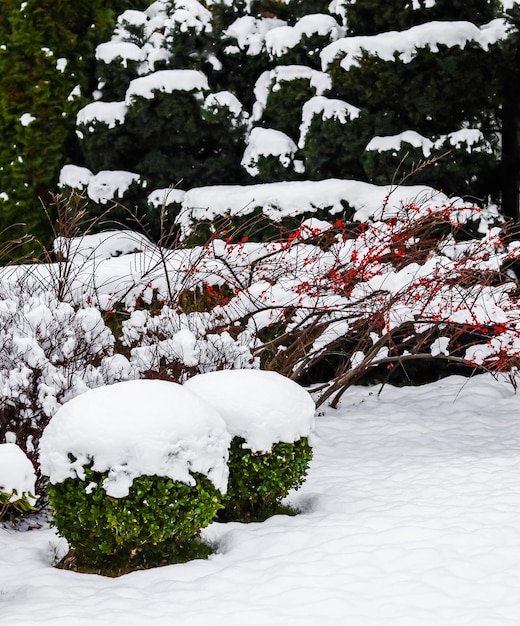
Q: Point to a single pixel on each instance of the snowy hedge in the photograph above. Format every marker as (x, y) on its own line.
(278, 91)
(135, 470)
(403, 285)
(270, 419)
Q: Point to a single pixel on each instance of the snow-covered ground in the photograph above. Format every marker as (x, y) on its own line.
(410, 518)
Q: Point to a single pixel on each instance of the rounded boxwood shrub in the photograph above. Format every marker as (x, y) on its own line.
(136, 470)
(157, 523)
(270, 418)
(258, 481)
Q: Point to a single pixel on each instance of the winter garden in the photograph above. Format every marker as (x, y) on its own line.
(284, 399)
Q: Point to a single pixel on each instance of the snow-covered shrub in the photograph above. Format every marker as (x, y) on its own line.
(174, 346)
(17, 480)
(401, 286)
(454, 157)
(270, 419)
(135, 470)
(258, 481)
(51, 351)
(407, 291)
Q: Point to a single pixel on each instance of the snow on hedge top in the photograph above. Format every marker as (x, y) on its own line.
(281, 39)
(472, 137)
(166, 81)
(289, 199)
(326, 108)
(262, 407)
(109, 113)
(16, 473)
(102, 245)
(135, 428)
(265, 142)
(406, 43)
(270, 81)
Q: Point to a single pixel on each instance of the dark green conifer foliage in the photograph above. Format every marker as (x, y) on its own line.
(369, 17)
(332, 149)
(47, 49)
(507, 83)
(434, 94)
(175, 138)
(283, 110)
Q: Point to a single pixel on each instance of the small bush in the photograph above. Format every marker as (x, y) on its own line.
(17, 482)
(12, 504)
(156, 524)
(259, 480)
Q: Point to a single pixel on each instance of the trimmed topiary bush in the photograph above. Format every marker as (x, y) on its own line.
(270, 418)
(156, 524)
(136, 470)
(258, 481)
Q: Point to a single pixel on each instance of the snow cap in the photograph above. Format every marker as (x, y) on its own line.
(17, 475)
(262, 407)
(135, 428)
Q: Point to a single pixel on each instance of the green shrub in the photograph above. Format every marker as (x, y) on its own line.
(9, 507)
(156, 524)
(258, 481)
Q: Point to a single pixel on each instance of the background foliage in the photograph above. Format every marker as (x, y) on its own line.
(47, 73)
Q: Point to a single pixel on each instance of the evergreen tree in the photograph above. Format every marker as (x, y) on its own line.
(334, 88)
(441, 90)
(46, 64)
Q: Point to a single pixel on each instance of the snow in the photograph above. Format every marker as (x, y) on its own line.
(17, 476)
(166, 81)
(261, 407)
(326, 108)
(124, 50)
(75, 177)
(279, 200)
(110, 185)
(471, 137)
(279, 41)
(61, 64)
(221, 99)
(264, 142)
(249, 34)
(405, 44)
(102, 187)
(409, 517)
(270, 81)
(164, 197)
(190, 14)
(26, 119)
(109, 113)
(135, 428)
(102, 245)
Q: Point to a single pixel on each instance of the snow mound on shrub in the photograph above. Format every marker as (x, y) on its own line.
(16, 473)
(135, 428)
(262, 407)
